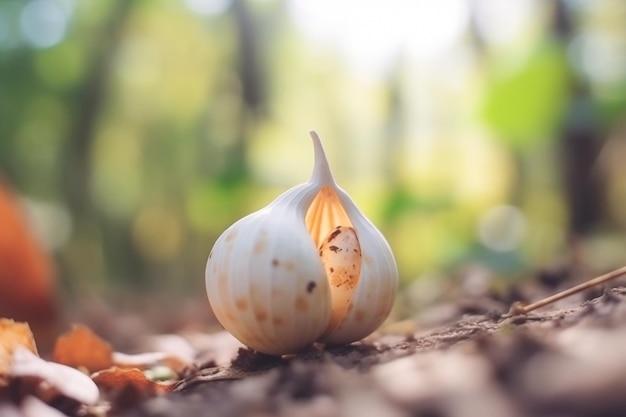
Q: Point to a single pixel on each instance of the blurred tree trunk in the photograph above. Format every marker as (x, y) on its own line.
(92, 95)
(77, 153)
(580, 142)
(249, 64)
(250, 74)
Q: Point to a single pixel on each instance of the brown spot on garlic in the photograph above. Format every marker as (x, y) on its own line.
(334, 234)
(261, 315)
(259, 246)
(301, 304)
(223, 280)
(342, 277)
(359, 316)
(241, 304)
(278, 321)
(231, 235)
(310, 286)
(275, 262)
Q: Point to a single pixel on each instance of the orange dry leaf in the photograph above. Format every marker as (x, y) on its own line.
(125, 388)
(27, 278)
(80, 347)
(117, 379)
(12, 335)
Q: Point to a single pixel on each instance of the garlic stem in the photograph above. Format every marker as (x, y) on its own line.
(322, 175)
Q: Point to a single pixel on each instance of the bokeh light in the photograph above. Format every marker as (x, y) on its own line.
(44, 22)
(502, 228)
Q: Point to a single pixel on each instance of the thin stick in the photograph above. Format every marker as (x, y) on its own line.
(518, 308)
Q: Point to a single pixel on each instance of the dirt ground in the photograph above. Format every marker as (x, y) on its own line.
(566, 361)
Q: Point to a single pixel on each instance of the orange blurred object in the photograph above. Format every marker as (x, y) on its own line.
(27, 276)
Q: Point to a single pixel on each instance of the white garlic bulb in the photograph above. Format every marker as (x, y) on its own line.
(307, 268)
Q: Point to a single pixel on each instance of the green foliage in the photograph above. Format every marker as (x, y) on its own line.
(525, 104)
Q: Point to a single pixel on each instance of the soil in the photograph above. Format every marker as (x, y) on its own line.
(569, 361)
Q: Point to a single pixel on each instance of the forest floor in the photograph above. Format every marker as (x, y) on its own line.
(569, 361)
(470, 355)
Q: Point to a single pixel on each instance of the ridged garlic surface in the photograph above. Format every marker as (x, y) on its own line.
(307, 268)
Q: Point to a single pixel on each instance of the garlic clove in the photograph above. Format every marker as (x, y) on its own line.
(308, 267)
(374, 295)
(341, 256)
(271, 291)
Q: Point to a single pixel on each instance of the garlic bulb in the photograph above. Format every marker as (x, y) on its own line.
(307, 268)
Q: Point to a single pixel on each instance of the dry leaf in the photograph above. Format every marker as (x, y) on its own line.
(68, 381)
(125, 388)
(12, 335)
(27, 279)
(81, 348)
(115, 380)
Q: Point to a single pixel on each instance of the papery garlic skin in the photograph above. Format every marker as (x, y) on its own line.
(265, 283)
(270, 283)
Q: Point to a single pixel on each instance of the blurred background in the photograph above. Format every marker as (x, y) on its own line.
(475, 133)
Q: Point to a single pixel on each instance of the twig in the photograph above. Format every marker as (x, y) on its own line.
(519, 308)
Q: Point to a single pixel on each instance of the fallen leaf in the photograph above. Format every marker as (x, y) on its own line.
(27, 277)
(66, 380)
(116, 379)
(125, 388)
(12, 335)
(82, 348)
